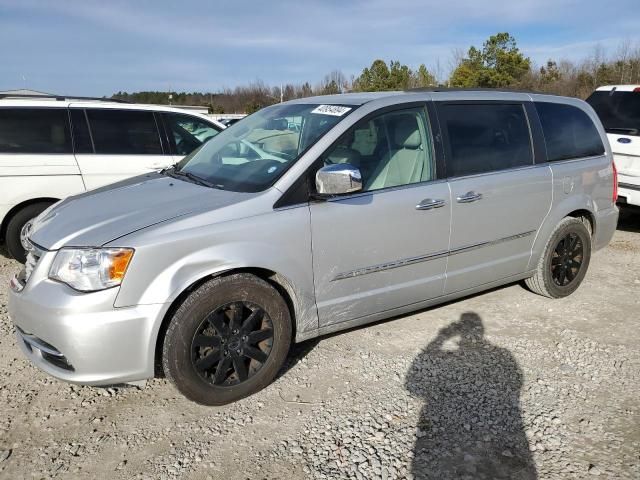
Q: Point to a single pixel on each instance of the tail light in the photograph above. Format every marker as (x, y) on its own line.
(615, 181)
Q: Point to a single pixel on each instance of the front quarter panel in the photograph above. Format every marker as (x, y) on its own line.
(170, 258)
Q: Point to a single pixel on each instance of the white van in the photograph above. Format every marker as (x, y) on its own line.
(618, 107)
(54, 147)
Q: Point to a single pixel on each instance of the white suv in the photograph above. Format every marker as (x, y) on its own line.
(54, 147)
(618, 107)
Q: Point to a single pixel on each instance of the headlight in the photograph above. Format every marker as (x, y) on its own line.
(90, 269)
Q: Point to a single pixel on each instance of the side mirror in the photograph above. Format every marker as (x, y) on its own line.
(338, 179)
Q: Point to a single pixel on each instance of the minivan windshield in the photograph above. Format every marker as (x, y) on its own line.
(618, 111)
(252, 154)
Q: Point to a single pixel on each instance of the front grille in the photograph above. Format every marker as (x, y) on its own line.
(33, 257)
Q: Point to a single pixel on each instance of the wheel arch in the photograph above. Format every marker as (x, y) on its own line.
(16, 208)
(587, 217)
(275, 279)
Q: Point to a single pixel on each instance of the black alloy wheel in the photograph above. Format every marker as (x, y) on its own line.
(567, 260)
(227, 339)
(232, 343)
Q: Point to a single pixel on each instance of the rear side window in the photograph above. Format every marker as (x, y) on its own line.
(568, 132)
(34, 130)
(485, 137)
(124, 132)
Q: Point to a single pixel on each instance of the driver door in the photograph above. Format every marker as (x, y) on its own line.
(385, 247)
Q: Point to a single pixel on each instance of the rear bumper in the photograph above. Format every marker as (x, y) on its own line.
(629, 190)
(82, 338)
(606, 224)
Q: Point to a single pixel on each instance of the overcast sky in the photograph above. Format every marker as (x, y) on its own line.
(93, 47)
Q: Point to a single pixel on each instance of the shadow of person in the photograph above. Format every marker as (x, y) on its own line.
(471, 423)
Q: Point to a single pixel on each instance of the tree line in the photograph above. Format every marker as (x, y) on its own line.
(498, 63)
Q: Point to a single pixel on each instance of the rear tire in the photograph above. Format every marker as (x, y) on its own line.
(564, 261)
(15, 225)
(227, 340)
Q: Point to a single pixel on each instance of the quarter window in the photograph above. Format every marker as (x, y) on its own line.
(34, 130)
(187, 133)
(124, 132)
(485, 137)
(568, 132)
(390, 150)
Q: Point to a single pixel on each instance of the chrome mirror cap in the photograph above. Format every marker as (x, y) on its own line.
(338, 179)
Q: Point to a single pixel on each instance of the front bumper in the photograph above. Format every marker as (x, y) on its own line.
(80, 337)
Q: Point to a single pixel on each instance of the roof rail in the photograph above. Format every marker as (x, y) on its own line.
(60, 98)
(477, 89)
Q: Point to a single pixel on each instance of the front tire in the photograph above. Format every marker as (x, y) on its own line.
(227, 340)
(564, 261)
(13, 239)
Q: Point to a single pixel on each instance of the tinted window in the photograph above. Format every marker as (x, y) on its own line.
(81, 137)
(485, 137)
(568, 132)
(34, 130)
(618, 111)
(124, 132)
(187, 133)
(390, 150)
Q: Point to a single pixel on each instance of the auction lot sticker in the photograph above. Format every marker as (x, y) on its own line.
(335, 110)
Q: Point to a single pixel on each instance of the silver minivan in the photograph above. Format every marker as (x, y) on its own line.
(309, 217)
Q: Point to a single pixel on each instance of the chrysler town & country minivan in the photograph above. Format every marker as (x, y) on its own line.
(309, 217)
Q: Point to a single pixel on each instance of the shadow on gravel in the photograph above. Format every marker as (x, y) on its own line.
(471, 423)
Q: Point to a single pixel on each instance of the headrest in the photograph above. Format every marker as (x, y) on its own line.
(343, 154)
(405, 131)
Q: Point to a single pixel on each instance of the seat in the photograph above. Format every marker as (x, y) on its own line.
(343, 153)
(404, 164)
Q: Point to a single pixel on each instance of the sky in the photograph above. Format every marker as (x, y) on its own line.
(97, 48)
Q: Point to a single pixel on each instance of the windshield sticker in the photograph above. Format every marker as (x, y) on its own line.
(335, 110)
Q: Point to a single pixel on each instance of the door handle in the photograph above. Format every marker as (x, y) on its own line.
(469, 197)
(429, 204)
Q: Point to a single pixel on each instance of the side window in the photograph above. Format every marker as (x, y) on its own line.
(390, 150)
(187, 133)
(34, 130)
(568, 132)
(485, 137)
(81, 137)
(124, 132)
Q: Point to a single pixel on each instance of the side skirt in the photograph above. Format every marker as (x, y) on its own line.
(356, 322)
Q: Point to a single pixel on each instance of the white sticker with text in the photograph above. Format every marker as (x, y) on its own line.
(335, 110)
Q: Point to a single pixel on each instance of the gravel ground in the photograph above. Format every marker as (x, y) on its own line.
(505, 384)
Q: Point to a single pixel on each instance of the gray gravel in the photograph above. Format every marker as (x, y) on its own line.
(504, 384)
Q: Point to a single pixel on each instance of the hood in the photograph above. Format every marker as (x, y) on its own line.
(106, 214)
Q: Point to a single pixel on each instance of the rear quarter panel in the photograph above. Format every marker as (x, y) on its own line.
(583, 184)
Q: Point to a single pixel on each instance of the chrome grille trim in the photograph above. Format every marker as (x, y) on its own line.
(33, 257)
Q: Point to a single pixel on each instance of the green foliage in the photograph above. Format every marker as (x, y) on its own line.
(550, 73)
(499, 64)
(395, 76)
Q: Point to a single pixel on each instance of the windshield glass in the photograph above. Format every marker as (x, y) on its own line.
(618, 111)
(252, 154)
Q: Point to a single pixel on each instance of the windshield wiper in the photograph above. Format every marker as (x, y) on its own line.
(166, 169)
(194, 178)
(630, 131)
